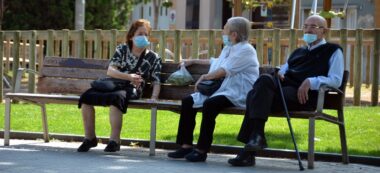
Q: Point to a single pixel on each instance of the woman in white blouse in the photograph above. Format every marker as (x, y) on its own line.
(239, 67)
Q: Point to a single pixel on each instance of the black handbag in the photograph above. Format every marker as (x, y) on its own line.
(208, 87)
(110, 84)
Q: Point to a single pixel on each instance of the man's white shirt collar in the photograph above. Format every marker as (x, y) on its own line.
(323, 41)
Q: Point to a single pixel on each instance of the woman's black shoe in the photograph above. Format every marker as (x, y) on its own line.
(87, 144)
(244, 158)
(196, 156)
(180, 153)
(112, 147)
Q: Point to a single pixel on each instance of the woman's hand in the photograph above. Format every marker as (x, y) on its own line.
(199, 80)
(136, 79)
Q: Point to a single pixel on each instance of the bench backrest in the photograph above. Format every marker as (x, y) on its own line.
(69, 75)
(74, 75)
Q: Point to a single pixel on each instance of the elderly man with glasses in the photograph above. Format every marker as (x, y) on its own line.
(308, 67)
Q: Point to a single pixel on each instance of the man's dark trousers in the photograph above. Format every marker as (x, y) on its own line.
(265, 98)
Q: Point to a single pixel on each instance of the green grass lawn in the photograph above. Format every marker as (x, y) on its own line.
(362, 126)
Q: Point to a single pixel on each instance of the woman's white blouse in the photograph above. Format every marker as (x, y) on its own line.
(242, 69)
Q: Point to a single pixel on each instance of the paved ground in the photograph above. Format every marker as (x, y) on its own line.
(56, 157)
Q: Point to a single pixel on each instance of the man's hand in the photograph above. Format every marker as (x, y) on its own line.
(303, 91)
(281, 77)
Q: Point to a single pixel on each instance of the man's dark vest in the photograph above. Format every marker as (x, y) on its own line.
(304, 63)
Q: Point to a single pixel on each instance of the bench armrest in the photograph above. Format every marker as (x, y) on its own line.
(321, 95)
(333, 89)
(19, 74)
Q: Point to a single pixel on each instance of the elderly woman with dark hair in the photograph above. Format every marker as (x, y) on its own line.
(239, 67)
(133, 62)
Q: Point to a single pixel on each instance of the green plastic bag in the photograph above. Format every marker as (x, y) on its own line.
(180, 77)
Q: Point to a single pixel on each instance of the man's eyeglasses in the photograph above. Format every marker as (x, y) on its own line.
(311, 27)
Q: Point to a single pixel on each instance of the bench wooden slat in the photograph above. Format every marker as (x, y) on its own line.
(62, 85)
(68, 72)
(175, 92)
(75, 62)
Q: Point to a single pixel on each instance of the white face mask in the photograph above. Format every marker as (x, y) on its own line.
(309, 38)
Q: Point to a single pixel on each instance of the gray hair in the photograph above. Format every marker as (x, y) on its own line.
(241, 26)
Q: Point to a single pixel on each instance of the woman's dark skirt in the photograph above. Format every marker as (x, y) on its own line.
(117, 98)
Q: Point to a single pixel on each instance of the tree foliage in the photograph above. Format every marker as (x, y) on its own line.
(106, 14)
(41, 14)
(60, 14)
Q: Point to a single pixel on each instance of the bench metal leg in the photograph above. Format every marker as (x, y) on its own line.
(310, 154)
(7, 121)
(343, 141)
(44, 123)
(153, 123)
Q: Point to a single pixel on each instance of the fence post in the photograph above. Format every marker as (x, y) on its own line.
(162, 43)
(16, 57)
(82, 41)
(98, 44)
(276, 47)
(260, 46)
(211, 44)
(113, 43)
(375, 69)
(177, 45)
(343, 43)
(65, 43)
(293, 40)
(50, 43)
(358, 66)
(32, 61)
(1, 62)
(195, 45)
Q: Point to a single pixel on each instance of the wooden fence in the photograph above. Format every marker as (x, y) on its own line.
(27, 49)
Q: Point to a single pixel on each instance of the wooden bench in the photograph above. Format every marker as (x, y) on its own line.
(62, 80)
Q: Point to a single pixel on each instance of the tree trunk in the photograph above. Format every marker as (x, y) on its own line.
(79, 14)
(1, 14)
(156, 5)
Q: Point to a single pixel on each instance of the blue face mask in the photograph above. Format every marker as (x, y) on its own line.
(141, 41)
(226, 40)
(309, 38)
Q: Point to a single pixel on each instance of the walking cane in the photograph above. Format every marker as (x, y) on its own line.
(288, 118)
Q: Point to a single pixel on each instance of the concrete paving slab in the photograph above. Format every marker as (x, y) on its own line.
(26, 156)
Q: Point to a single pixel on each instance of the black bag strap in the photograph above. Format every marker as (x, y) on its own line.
(139, 62)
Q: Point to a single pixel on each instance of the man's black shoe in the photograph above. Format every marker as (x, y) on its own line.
(244, 158)
(196, 156)
(180, 153)
(87, 144)
(112, 147)
(255, 143)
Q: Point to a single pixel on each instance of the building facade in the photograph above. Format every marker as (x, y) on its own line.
(212, 14)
